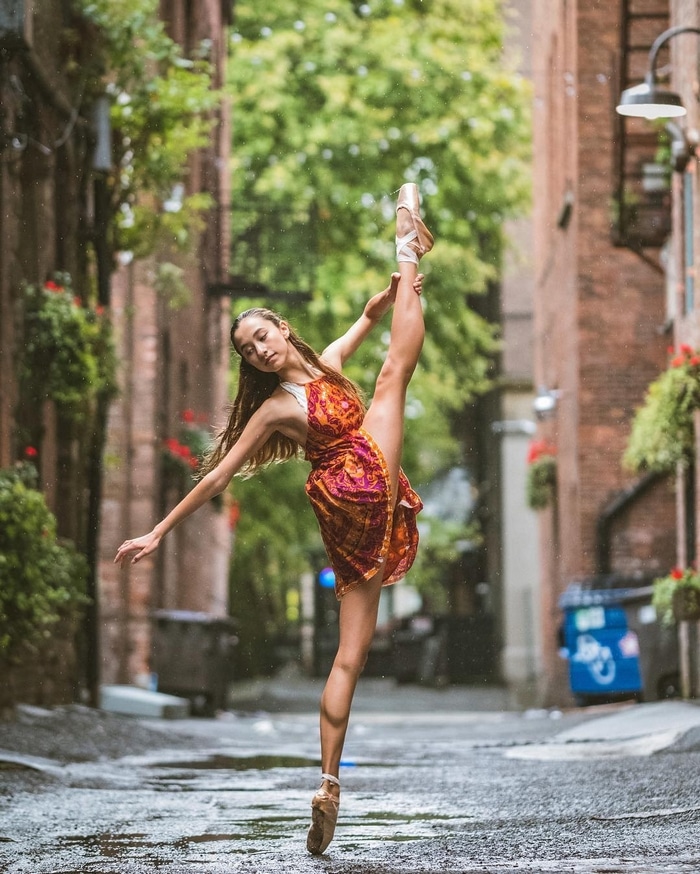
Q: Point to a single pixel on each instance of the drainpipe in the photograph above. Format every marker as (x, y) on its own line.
(619, 503)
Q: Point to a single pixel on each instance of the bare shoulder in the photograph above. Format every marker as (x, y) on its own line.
(332, 357)
(282, 409)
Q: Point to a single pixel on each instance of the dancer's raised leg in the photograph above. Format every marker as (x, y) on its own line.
(385, 418)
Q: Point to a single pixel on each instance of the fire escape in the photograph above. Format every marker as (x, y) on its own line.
(642, 200)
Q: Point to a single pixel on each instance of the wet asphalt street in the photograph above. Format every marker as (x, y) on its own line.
(433, 781)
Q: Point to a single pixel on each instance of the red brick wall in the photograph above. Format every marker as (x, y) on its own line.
(600, 311)
(171, 361)
(685, 66)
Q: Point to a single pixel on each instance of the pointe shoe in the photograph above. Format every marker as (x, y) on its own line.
(413, 239)
(324, 815)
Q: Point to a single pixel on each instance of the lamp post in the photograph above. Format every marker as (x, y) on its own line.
(647, 100)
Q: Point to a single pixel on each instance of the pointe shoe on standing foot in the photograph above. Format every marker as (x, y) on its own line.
(324, 815)
(413, 239)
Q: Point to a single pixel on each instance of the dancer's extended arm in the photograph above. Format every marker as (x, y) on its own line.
(261, 425)
(341, 349)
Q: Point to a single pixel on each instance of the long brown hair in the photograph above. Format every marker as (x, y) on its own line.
(254, 388)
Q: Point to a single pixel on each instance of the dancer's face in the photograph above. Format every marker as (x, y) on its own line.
(262, 343)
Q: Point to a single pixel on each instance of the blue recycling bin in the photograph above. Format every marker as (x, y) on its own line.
(602, 650)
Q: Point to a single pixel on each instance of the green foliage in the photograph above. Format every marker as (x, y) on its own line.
(335, 107)
(163, 107)
(442, 546)
(334, 111)
(541, 482)
(68, 354)
(677, 592)
(41, 579)
(662, 433)
(276, 537)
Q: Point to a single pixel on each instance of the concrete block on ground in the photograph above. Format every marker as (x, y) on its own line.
(132, 701)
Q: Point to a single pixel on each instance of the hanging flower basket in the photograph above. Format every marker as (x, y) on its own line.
(686, 605)
(662, 433)
(182, 455)
(541, 482)
(676, 596)
(68, 354)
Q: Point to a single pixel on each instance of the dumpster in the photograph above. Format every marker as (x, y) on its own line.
(413, 643)
(615, 645)
(193, 657)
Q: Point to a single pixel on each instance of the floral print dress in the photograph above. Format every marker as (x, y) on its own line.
(349, 489)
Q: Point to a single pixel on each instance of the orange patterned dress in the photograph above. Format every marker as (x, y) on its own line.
(349, 490)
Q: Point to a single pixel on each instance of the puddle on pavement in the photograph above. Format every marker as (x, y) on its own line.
(110, 846)
(243, 763)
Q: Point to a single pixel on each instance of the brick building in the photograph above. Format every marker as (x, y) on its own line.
(601, 322)
(46, 226)
(173, 377)
(170, 361)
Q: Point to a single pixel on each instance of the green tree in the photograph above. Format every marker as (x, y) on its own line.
(336, 104)
(162, 109)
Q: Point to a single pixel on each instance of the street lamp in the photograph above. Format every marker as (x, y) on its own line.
(647, 100)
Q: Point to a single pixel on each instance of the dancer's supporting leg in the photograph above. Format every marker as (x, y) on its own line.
(358, 609)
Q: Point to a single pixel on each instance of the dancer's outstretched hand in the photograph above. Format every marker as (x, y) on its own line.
(392, 288)
(137, 549)
(381, 303)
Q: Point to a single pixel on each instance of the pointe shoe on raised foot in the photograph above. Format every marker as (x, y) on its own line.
(413, 239)
(324, 815)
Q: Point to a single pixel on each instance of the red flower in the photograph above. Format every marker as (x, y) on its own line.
(194, 462)
(183, 451)
(234, 514)
(171, 444)
(30, 452)
(685, 349)
(187, 415)
(676, 573)
(52, 286)
(678, 361)
(538, 448)
(695, 360)
(99, 310)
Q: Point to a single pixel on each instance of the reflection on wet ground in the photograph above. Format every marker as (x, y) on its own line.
(243, 763)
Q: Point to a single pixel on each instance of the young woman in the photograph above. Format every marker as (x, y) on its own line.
(290, 398)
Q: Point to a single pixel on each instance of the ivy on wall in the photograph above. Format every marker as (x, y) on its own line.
(662, 434)
(68, 355)
(42, 579)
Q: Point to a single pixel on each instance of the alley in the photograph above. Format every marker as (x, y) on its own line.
(424, 790)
